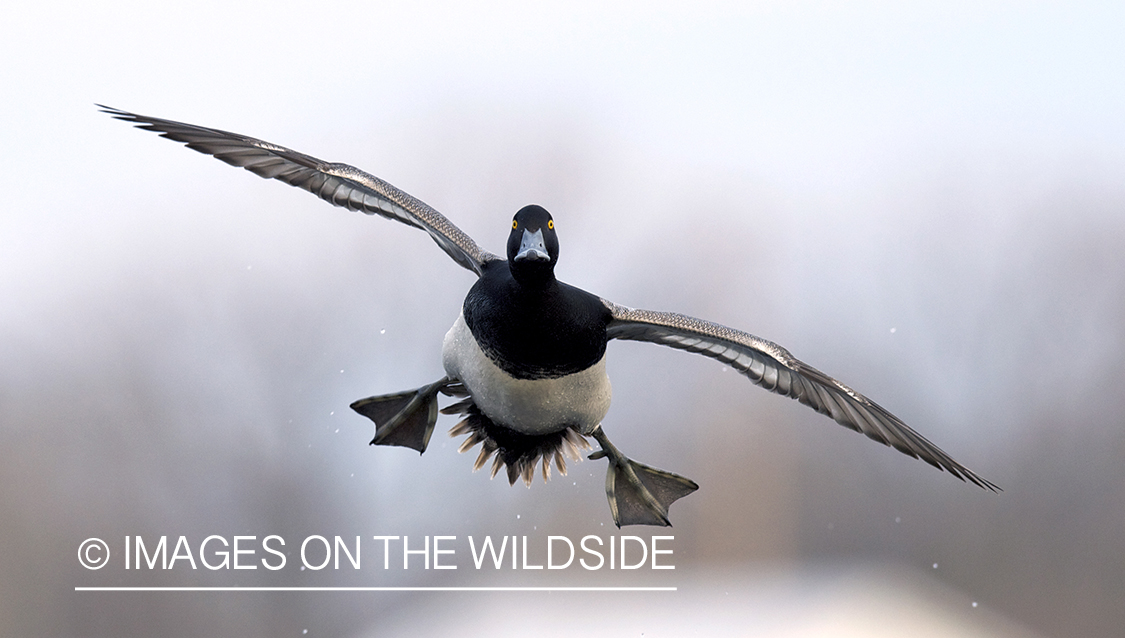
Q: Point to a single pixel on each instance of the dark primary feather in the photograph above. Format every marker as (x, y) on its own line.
(338, 184)
(773, 368)
(766, 363)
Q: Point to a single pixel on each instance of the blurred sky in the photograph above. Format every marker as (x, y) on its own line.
(923, 199)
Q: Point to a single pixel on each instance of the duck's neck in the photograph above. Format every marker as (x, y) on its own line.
(535, 280)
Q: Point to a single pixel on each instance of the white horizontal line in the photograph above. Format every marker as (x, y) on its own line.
(310, 589)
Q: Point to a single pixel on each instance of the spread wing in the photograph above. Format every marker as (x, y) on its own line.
(773, 368)
(338, 184)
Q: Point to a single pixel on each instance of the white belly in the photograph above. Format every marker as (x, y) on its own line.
(531, 406)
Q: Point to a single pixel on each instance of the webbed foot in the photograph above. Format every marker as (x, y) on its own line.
(405, 418)
(639, 494)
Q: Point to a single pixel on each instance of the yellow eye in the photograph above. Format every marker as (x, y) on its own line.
(515, 224)
(551, 224)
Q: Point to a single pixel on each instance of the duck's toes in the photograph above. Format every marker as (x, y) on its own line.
(405, 419)
(641, 495)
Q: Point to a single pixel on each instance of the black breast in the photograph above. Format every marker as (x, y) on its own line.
(535, 333)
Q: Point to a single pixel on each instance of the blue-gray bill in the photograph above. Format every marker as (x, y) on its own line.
(527, 339)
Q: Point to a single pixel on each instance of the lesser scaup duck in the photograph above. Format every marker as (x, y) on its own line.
(526, 356)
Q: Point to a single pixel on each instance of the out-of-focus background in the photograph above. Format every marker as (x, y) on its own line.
(924, 199)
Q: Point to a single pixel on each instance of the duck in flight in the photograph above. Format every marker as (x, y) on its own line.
(526, 356)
